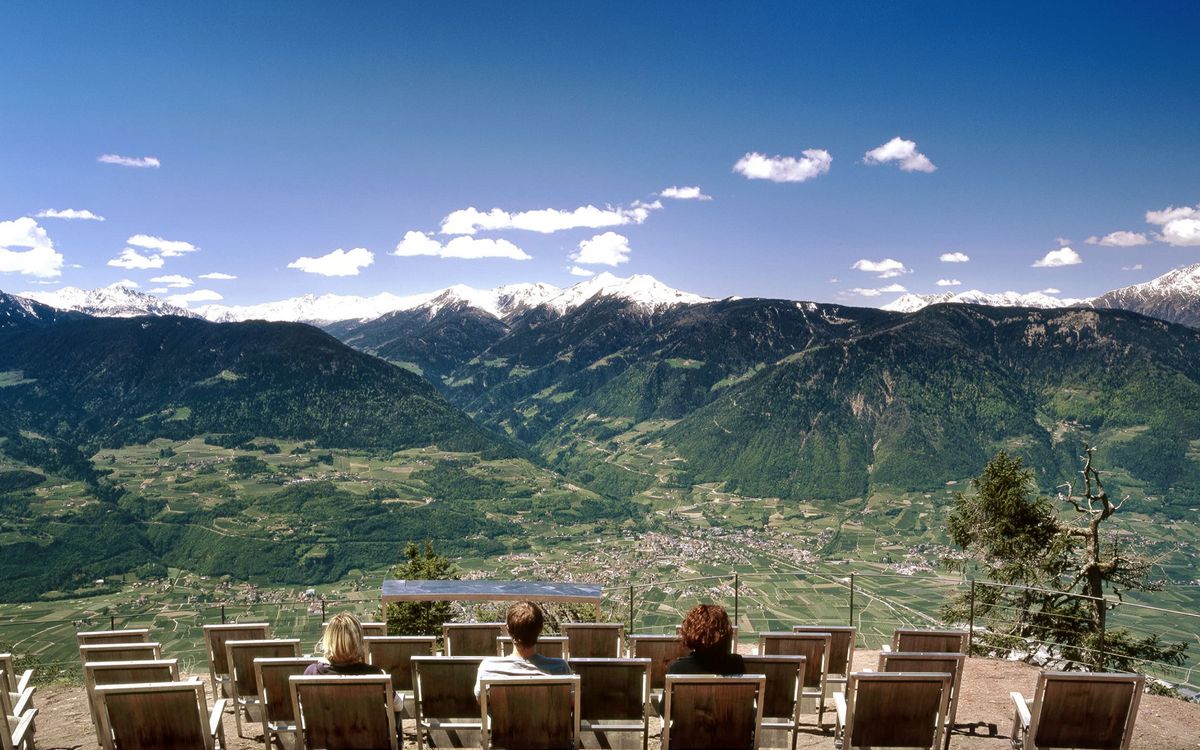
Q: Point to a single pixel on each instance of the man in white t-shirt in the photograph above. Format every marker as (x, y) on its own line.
(525, 621)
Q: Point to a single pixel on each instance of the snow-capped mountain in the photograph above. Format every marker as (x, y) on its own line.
(645, 291)
(1174, 296)
(114, 301)
(912, 302)
(20, 311)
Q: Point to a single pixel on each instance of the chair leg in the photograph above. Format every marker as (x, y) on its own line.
(237, 717)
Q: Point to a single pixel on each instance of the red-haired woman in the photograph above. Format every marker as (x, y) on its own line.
(707, 632)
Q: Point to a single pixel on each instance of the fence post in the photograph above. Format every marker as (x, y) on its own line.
(735, 599)
(971, 626)
(323, 612)
(852, 599)
(222, 614)
(631, 609)
(1100, 642)
(112, 622)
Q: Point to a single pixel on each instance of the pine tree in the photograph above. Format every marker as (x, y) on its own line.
(421, 618)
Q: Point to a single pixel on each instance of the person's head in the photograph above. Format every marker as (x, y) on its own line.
(525, 622)
(707, 627)
(343, 640)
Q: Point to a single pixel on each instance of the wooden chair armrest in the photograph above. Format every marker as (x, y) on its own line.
(24, 681)
(24, 702)
(24, 725)
(839, 703)
(1022, 708)
(214, 719)
(886, 648)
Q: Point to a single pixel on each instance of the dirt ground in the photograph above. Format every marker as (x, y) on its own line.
(1163, 723)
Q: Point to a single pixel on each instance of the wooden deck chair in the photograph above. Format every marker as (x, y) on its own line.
(701, 712)
(334, 711)
(547, 645)
(781, 696)
(471, 638)
(919, 641)
(444, 702)
(15, 686)
(214, 644)
(529, 713)
(733, 641)
(393, 654)
(814, 647)
(951, 663)
(160, 716)
(128, 635)
(1078, 709)
(594, 640)
(243, 681)
(121, 652)
(661, 650)
(16, 730)
(122, 673)
(892, 709)
(614, 697)
(841, 649)
(274, 693)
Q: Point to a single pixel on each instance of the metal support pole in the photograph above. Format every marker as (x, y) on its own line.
(323, 612)
(112, 622)
(1100, 641)
(222, 614)
(851, 599)
(735, 599)
(631, 609)
(971, 626)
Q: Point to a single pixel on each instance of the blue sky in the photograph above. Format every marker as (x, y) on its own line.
(289, 130)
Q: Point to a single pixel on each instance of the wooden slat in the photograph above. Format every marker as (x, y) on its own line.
(711, 712)
(841, 645)
(274, 692)
(1084, 711)
(530, 713)
(97, 637)
(930, 641)
(784, 677)
(344, 712)
(661, 650)
(594, 640)
(240, 656)
(121, 652)
(472, 639)
(156, 716)
(895, 709)
(447, 687)
(612, 689)
(393, 654)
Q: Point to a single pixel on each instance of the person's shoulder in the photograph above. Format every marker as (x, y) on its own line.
(317, 668)
(553, 665)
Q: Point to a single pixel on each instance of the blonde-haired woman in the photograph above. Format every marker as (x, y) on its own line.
(344, 650)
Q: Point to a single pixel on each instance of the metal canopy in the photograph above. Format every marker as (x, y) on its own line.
(490, 591)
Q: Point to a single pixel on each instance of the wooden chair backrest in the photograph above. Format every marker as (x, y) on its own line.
(530, 713)
(9, 665)
(929, 641)
(785, 680)
(129, 672)
(712, 712)
(896, 709)
(240, 656)
(343, 712)
(951, 663)
(393, 654)
(121, 652)
(612, 689)
(274, 691)
(96, 637)
(471, 639)
(1086, 710)
(594, 640)
(841, 645)
(215, 637)
(6, 707)
(374, 628)
(547, 645)
(444, 686)
(156, 715)
(814, 647)
(661, 650)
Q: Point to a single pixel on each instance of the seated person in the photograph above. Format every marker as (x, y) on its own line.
(707, 632)
(525, 620)
(344, 651)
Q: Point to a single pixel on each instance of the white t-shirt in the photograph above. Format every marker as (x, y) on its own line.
(515, 666)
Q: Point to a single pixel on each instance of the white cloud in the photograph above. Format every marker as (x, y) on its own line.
(467, 248)
(218, 276)
(949, 282)
(337, 263)
(954, 257)
(1119, 239)
(886, 268)
(39, 258)
(577, 271)
(132, 259)
(1051, 290)
(813, 162)
(1180, 226)
(609, 249)
(173, 281)
(903, 152)
(165, 248)
(143, 162)
(546, 220)
(1134, 267)
(1064, 256)
(692, 193)
(127, 283)
(893, 288)
(1062, 241)
(69, 213)
(889, 289)
(200, 295)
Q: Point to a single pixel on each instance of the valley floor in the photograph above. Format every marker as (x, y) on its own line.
(1162, 724)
